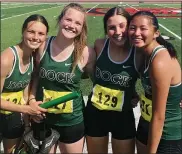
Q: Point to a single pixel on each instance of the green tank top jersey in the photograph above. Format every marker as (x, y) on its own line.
(16, 81)
(56, 80)
(172, 129)
(114, 82)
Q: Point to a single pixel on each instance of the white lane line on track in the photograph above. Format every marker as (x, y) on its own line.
(41, 10)
(30, 12)
(93, 8)
(19, 6)
(166, 6)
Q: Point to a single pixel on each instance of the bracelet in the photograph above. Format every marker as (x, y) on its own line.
(31, 99)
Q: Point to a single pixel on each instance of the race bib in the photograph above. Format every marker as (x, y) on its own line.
(13, 97)
(66, 107)
(107, 99)
(146, 108)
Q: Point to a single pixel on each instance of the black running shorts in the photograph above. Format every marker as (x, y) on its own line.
(99, 123)
(12, 125)
(70, 134)
(170, 147)
(142, 131)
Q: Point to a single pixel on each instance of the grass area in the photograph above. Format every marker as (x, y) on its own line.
(13, 17)
(25, 9)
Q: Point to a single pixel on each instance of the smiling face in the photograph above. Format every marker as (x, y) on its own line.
(35, 34)
(141, 31)
(117, 29)
(71, 23)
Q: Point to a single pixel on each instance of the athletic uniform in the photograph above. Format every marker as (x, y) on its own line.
(109, 106)
(14, 85)
(171, 140)
(56, 79)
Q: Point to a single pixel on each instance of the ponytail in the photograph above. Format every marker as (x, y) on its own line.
(167, 45)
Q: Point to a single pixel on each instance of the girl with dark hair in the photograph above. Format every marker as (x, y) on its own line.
(16, 70)
(161, 80)
(114, 85)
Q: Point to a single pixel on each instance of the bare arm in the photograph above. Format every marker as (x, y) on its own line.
(35, 78)
(90, 62)
(139, 61)
(7, 59)
(98, 45)
(160, 80)
(33, 85)
(93, 52)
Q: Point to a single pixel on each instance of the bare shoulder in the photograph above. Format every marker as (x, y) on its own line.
(161, 66)
(7, 58)
(162, 60)
(89, 59)
(167, 67)
(88, 54)
(98, 45)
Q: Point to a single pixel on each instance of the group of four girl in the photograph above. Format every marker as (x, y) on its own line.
(132, 49)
